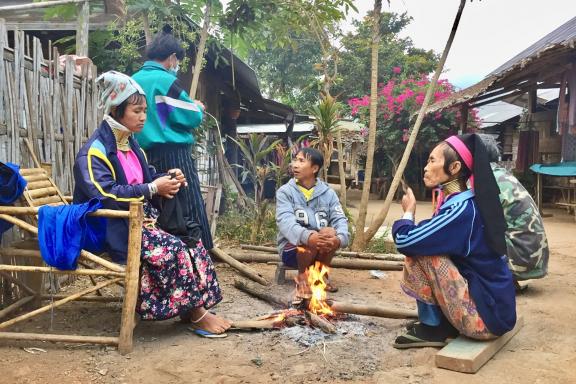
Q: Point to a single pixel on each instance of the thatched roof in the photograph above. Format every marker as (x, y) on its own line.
(539, 66)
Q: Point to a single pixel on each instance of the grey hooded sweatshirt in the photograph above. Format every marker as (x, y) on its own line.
(297, 218)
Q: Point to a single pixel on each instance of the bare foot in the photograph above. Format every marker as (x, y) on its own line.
(203, 319)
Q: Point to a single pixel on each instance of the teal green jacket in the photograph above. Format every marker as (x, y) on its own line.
(172, 115)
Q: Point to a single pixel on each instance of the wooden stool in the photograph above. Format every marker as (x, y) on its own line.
(280, 275)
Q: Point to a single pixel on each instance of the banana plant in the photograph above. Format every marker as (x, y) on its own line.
(326, 114)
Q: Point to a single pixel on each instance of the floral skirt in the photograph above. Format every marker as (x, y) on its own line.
(436, 280)
(174, 279)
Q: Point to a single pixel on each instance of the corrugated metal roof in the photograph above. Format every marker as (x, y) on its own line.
(498, 112)
(273, 128)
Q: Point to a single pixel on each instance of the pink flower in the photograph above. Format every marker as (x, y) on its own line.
(397, 70)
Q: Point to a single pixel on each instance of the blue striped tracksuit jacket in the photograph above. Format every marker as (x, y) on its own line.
(457, 231)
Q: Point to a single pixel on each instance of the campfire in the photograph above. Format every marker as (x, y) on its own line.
(315, 310)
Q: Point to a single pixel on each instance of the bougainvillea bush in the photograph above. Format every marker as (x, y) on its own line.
(399, 101)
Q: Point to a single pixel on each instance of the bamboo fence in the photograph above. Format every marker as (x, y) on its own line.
(54, 109)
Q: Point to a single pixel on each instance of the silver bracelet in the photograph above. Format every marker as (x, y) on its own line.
(153, 188)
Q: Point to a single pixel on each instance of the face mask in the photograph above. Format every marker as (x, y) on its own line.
(175, 70)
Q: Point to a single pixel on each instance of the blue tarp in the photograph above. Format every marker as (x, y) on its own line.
(559, 169)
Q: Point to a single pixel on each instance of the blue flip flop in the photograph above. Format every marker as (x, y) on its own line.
(207, 334)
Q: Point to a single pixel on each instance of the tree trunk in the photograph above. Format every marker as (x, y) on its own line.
(83, 29)
(146, 25)
(200, 51)
(341, 169)
(399, 172)
(359, 238)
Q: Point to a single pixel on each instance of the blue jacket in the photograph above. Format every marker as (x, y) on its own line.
(65, 230)
(297, 218)
(457, 231)
(99, 174)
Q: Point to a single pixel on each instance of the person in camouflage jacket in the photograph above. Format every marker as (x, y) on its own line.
(526, 241)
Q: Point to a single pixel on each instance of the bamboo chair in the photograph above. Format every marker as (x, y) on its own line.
(40, 191)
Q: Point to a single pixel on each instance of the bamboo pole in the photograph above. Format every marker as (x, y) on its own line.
(367, 264)
(259, 293)
(131, 282)
(57, 304)
(242, 268)
(83, 254)
(25, 172)
(20, 223)
(255, 258)
(41, 192)
(105, 340)
(38, 5)
(97, 299)
(362, 255)
(25, 268)
(337, 262)
(372, 310)
(31, 211)
(14, 306)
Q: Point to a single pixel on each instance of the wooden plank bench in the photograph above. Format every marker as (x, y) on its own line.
(468, 356)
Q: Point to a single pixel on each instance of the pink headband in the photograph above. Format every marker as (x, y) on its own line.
(462, 150)
(464, 153)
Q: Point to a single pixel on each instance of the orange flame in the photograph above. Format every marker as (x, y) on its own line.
(316, 280)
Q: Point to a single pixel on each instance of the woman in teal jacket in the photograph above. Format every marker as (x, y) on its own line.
(168, 135)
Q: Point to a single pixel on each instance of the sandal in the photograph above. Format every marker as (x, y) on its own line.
(422, 335)
(207, 334)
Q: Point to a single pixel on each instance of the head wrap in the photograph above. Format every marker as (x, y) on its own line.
(115, 88)
(472, 151)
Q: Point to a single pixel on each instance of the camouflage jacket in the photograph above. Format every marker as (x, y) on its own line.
(525, 238)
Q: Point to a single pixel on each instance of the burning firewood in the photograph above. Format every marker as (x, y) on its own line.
(320, 322)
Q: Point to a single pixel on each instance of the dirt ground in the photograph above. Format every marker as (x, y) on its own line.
(166, 352)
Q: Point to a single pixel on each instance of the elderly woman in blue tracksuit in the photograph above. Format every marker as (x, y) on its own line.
(456, 266)
(311, 222)
(175, 280)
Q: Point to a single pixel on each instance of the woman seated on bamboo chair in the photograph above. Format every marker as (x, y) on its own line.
(456, 266)
(175, 280)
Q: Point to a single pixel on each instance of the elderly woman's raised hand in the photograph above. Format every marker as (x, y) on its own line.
(409, 201)
(167, 187)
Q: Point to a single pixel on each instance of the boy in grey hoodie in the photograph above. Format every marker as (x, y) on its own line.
(310, 219)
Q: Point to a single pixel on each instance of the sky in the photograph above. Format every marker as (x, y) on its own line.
(490, 31)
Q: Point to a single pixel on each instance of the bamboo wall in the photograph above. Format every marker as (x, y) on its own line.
(55, 110)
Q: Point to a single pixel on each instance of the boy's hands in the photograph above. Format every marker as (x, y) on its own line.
(325, 241)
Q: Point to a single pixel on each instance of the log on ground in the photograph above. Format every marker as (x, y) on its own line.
(261, 293)
(242, 268)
